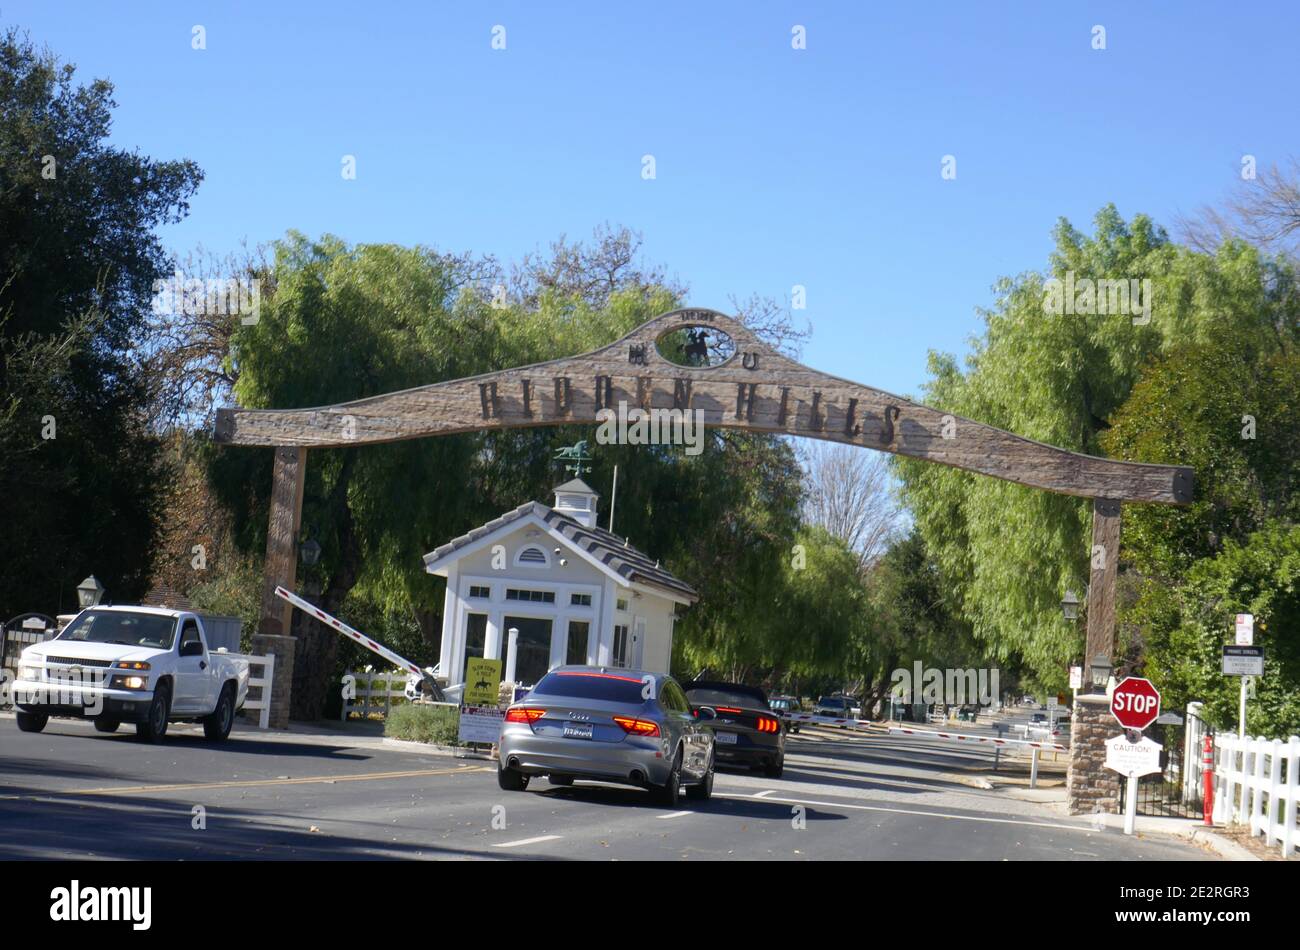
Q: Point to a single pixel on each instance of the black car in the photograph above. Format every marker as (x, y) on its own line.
(745, 732)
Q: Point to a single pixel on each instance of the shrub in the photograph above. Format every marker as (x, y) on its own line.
(434, 724)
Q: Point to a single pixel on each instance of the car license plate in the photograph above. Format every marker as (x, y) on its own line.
(577, 730)
(726, 738)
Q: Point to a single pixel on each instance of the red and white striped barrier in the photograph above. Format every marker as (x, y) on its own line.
(395, 658)
(959, 737)
(826, 720)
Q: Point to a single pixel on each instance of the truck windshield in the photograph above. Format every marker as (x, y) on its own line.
(155, 631)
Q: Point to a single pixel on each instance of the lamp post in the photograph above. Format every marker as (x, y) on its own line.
(1070, 605)
(309, 552)
(1099, 671)
(90, 592)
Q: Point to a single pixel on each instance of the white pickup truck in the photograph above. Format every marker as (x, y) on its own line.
(146, 665)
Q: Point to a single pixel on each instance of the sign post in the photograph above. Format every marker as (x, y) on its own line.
(1135, 704)
(1245, 637)
(1132, 759)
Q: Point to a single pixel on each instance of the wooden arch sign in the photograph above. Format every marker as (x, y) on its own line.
(756, 389)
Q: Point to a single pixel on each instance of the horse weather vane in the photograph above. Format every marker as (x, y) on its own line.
(574, 456)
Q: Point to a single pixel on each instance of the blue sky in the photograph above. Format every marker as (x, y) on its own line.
(775, 167)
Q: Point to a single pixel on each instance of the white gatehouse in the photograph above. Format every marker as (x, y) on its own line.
(575, 593)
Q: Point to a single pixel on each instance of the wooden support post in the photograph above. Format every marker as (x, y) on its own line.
(281, 566)
(1101, 586)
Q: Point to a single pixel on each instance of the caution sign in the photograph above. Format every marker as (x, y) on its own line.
(482, 681)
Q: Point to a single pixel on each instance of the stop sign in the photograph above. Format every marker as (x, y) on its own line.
(1135, 703)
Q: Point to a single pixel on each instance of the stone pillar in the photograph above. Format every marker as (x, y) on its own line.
(1090, 786)
(282, 648)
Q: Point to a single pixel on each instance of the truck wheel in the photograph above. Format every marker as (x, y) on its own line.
(104, 724)
(154, 725)
(217, 726)
(31, 722)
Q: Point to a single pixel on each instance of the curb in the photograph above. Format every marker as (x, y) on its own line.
(427, 748)
(1188, 830)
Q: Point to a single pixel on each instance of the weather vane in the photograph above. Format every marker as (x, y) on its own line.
(574, 456)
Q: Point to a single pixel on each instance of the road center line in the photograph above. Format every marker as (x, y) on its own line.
(911, 811)
(523, 841)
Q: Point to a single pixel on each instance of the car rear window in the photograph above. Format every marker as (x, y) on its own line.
(608, 687)
(744, 696)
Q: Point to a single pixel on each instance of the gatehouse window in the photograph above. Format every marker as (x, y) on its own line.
(575, 654)
(477, 591)
(620, 645)
(580, 600)
(531, 596)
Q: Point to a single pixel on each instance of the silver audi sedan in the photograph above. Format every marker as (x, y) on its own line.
(610, 725)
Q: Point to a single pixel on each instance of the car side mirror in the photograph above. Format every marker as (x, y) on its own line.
(194, 648)
(706, 712)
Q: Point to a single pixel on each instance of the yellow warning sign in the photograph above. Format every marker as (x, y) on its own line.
(482, 681)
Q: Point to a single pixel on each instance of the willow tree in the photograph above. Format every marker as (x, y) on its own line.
(1011, 552)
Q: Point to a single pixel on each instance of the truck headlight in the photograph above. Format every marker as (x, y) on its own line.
(130, 665)
(130, 682)
(29, 673)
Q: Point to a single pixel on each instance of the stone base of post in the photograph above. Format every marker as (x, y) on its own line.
(282, 685)
(1090, 786)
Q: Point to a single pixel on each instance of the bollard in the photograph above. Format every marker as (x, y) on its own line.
(1207, 805)
(1033, 770)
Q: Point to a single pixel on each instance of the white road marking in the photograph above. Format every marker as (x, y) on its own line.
(911, 811)
(523, 841)
(770, 791)
(676, 814)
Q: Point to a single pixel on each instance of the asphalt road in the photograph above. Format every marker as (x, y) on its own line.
(72, 793)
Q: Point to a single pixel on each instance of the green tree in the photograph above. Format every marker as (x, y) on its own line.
(1230, 409)
(78, 259)
(343, 322)
(1010, 552)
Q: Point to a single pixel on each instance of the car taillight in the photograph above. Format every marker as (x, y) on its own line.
(768, 724)
(727, 709)
(524, 714)
(637, 727)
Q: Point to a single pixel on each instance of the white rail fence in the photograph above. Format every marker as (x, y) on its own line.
(1258, 785)
(259, 686)
(377, 694)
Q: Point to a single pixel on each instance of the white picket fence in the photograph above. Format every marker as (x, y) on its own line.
(376, 695)
(259, 686)
(1258, 785)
